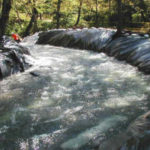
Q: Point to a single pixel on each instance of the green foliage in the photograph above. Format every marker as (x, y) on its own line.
(93, 13)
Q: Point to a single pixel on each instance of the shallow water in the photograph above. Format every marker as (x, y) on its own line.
(69, 99)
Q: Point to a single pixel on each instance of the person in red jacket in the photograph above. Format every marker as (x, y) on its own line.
(16, 37)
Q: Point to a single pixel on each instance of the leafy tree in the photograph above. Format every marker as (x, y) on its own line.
(29, 16)
(33, 20)
(119, 10)
(79, 12)
(58, 15)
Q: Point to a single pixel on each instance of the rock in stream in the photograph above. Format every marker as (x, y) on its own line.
(12, 58)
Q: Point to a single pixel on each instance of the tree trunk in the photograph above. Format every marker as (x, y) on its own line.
(0, 5)
(18, 17)
(40, 15)
(6, 7)
(32, 21)
(109, 13)
(109, 3)
(79, 13)
(58, 14)
(119, 23)
(143, 17)
(96, 17)
(124, 2)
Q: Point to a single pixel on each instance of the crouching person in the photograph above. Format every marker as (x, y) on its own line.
(16, 37)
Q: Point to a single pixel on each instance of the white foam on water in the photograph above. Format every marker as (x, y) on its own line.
(72, 89)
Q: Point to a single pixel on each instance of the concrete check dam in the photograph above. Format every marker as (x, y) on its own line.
(72, 99)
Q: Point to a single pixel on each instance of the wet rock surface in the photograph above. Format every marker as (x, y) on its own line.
(139, 133)
(136, 137)
(12, 58)
(133, 48)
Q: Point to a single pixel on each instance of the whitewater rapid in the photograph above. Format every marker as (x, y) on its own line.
(69, 99)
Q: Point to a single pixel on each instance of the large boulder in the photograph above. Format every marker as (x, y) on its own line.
(139, 133)
(12, 58)
(136, 137)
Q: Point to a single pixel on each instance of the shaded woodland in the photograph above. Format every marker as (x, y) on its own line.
(29, 16)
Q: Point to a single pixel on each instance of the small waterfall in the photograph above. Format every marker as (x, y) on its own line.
(94, 39)
(133, 48)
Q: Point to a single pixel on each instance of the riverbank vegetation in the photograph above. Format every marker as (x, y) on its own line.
(29, 16)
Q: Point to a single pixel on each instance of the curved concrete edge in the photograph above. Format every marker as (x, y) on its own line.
(133, 48)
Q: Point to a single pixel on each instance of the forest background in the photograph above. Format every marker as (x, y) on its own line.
(29, 16)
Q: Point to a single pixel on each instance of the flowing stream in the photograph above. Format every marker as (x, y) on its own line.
(70, 99)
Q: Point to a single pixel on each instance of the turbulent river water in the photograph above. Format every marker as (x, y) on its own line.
(69, 99)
